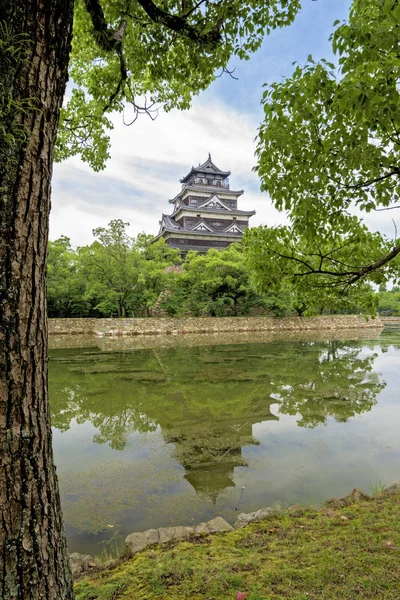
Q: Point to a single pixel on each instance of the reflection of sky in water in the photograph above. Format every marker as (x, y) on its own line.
(156, 478)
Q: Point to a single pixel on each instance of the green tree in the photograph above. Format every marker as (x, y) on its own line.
(389, 301)
(115, 275)
(214, 284)
(282, 258)
(65, 288)
(111, 268)
(124, 276)
(329, 144)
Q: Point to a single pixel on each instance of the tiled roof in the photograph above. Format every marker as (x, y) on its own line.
(182, 232)
(212, 189)
(215, 211)
(207, 167)
(170, 223)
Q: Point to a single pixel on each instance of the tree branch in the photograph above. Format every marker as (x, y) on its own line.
(180, 24)
(377, 264)
(387, 208)
(357, 186)
(350, 276)
(345, 278)
(228, 72)
(106, 38)
(109, 40)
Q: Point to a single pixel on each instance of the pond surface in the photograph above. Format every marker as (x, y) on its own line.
(177, 435)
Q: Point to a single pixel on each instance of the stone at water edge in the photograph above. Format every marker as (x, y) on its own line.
(140, 540)
(167, 534)
(297, 510)
(393, 489)
(355, 496)
(81, 563)
(216, 525)
(246, 518)
(135, 542)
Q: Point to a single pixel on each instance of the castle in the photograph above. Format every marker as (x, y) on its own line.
(205, 213)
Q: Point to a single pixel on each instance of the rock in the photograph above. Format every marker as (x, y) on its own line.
(216, 525)
(393, 489)
(296, 510)
(167, 534)
(81, 563)
(355, 496)
(246, 518)
(135, 542)
(110, 564)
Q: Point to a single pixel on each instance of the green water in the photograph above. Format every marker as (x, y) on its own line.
(176, 435)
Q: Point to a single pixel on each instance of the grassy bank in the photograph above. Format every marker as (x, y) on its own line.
(333, 553)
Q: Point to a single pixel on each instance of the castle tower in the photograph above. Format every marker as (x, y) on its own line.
(205, 213)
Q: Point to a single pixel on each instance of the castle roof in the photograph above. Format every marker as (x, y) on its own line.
(169, 224)
(179, 205)
(207, 167)
(206, 188)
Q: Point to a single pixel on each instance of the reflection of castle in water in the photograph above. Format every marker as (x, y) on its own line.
(206, 400)
(209, 451)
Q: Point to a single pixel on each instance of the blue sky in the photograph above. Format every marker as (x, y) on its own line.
(149, 158)
(309, 34)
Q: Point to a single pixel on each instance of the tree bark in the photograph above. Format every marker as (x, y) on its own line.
(33, 551)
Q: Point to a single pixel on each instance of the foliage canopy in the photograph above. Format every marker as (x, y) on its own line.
(329, 148)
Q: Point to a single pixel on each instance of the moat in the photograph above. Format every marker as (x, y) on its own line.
(176, 435)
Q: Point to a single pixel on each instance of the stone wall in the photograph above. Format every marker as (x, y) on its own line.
(162, 326)
(390, 320)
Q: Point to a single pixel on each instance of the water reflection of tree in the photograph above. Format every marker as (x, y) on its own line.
(339, 382)
(188, 388)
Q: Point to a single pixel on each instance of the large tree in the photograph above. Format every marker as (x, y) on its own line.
(329, 152)
(123, 51)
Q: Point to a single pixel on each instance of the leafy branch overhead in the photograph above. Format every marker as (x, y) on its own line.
(329, 148)
(135, 55)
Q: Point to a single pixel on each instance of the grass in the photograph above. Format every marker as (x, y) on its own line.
(376, 489)
(332, 553)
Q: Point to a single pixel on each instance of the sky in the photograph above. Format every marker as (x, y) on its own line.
(150, 157)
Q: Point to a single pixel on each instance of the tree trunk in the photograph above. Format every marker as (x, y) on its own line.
(33, 551)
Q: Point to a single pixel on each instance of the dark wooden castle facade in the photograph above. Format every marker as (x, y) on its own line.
(205, 213)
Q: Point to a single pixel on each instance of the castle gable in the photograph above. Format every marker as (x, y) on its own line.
(214, 202)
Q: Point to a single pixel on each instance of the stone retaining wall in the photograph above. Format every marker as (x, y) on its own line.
(162, 326)
(390, 320)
